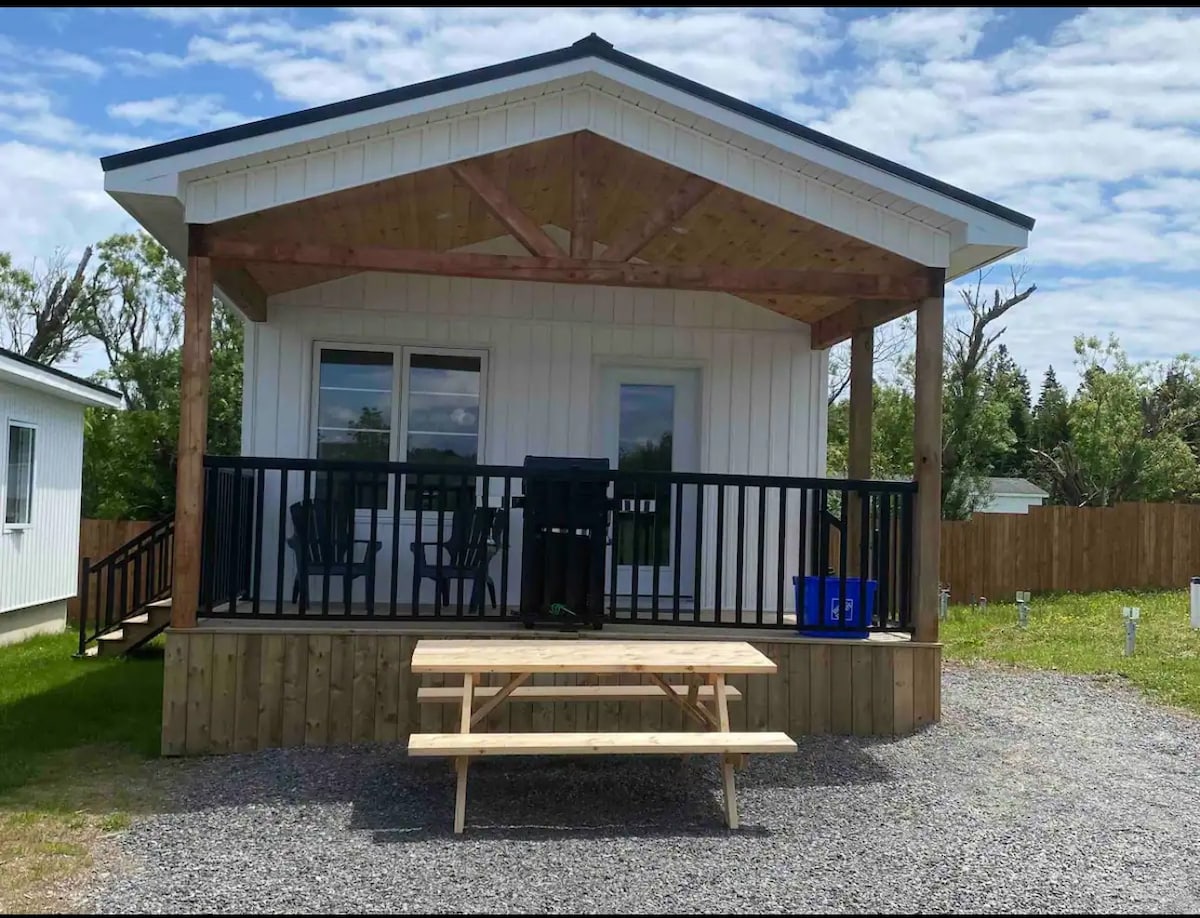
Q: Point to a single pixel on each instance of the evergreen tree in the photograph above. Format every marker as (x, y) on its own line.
(1051, 424)
(1010, 386)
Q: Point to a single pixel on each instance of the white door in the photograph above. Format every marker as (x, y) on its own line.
(649, 421)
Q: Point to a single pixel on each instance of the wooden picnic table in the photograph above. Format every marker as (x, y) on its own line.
(706, 705)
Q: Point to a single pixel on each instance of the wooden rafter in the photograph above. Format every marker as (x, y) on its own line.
(574, 270)
(637, 236)
(583, 204)
(515, 220)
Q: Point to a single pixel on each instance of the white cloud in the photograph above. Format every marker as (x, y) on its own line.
(54, 62)
(192, 15)
(54, 199)
(1059, 129)
(204, 112)
(1153, 321)
(30, 115)
(376, 49)
(135, 62)
(938, 33)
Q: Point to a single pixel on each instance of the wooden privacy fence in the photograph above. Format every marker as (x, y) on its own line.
(1076, 549)
(98, 538)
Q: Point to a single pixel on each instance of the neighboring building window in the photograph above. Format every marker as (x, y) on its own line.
(419, 405)
(18, 501)
(442, 419)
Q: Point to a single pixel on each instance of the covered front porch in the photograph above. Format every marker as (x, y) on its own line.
(575, 256)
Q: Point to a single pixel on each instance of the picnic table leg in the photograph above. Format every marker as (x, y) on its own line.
(461, 763)
(731, 813)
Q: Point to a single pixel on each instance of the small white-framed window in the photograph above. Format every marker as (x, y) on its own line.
(20, 457)
(395, 403)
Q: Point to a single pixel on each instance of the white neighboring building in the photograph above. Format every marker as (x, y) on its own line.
(1012, 495)
(41, 467)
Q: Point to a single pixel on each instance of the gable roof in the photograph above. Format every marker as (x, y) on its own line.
(30, 374)
(1015, 487)
(590, 47)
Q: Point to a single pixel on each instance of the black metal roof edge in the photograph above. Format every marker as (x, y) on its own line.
(591, 46)
(4, 352)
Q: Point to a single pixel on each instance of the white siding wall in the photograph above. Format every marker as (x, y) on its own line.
(39, 564)
(1011, 503)
(762, 401)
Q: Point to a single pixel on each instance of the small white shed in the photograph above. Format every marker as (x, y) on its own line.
(41, 466)
(1012, 495)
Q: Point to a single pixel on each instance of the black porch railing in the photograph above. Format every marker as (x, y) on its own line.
(125, 581)
(314, 539)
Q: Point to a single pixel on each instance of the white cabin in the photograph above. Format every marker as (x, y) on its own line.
(41, 463)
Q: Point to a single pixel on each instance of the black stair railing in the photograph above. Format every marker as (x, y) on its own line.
(125, 581)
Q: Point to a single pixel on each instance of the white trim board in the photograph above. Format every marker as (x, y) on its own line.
(41, 379)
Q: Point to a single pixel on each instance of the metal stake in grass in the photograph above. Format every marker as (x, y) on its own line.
(1023, 608)
(943, 603)
(1131, 615)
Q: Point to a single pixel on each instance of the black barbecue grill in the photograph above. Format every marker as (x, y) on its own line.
(563, 539)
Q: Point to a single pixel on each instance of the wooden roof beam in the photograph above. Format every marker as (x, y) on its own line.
(637, 236)
(583, 206)
(862, 314)
(236, 283)
(515, 220)
(565, 270)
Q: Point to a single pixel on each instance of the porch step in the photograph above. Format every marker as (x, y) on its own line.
(134, 630)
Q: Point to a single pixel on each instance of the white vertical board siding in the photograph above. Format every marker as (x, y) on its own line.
(38, 564)
(762, 390)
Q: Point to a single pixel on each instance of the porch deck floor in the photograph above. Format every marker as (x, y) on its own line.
(427, 621)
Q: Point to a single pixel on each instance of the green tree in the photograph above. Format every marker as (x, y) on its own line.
(43, 312)
(1008, 384)
(1126, 427)
(975, 422)
(129, 455)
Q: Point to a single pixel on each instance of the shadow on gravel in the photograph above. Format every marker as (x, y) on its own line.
(537, 798)
(397, 799)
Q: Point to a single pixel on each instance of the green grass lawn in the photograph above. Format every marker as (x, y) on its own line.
(1086, 634)
(74, 739)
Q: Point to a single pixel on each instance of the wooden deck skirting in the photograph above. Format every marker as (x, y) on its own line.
(232, 688)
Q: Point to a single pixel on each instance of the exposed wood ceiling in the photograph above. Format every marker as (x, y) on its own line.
(436, 210)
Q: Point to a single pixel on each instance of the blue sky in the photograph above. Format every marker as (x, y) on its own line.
(1086, 120)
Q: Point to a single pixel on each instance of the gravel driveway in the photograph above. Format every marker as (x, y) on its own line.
(1038, 792)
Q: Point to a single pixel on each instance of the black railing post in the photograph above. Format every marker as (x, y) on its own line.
(83, 603)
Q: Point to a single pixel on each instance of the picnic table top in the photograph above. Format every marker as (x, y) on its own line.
(483, 655)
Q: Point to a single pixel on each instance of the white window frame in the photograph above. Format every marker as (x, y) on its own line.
(398, 441)
(28, 425)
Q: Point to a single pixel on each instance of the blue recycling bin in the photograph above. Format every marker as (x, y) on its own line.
(854, 622)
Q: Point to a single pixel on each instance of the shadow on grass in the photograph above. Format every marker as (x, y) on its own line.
(69, 728)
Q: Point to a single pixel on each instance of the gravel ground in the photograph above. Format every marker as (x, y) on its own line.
(1039, 792)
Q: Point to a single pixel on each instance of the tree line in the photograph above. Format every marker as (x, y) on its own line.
(124, 296)
(1129, 432)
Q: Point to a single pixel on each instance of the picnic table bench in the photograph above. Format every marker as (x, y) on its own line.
(705, 704)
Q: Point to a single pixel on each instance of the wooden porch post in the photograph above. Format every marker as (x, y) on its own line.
(927, 468)
(195, 362)
(858, 460)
